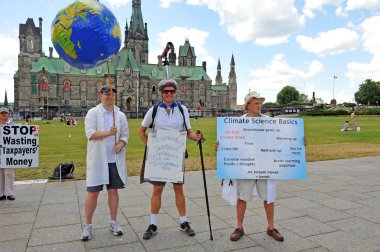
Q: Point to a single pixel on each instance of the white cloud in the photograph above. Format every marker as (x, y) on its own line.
(117, 3)
(357, 72)
(362, 4)
(177, 35)
(278, 73)
(8, 64)
(311, 5)
(331, 42)
(166, 3)
(264, 22)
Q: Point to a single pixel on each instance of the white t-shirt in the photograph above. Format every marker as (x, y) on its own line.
(163, 120)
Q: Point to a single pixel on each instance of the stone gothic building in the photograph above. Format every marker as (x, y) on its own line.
(47, 84)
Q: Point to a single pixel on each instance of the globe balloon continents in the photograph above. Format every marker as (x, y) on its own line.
(85, 34)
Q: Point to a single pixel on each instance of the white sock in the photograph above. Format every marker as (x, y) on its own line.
(182, 219)
(154, 219)
(113, 221)
(89, 225)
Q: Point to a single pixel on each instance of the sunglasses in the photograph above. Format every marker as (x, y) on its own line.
(168, 91)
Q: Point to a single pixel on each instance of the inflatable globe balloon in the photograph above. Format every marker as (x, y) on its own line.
(86, 34)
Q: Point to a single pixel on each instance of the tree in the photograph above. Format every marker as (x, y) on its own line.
(288, 94)
(368, 93)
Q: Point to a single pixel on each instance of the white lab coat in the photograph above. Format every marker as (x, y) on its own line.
(97, 165)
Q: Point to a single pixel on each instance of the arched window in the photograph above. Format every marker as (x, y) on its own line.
(83, 93)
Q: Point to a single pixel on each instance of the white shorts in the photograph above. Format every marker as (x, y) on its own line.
(245, 188)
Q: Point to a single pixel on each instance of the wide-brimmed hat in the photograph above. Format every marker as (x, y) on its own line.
(252, 95)
(4, 109)
(106, 89)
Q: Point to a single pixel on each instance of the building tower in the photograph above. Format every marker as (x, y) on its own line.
(136, 36)
(6, 99)
(232, 84)
(30, 38)
(218, 78)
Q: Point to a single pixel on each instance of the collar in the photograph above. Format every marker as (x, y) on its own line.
(172, 106)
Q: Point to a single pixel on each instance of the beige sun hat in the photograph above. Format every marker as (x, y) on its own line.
(250, 96)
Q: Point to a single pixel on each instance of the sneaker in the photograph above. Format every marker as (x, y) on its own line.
(152, 230)
(116, 229)
(237, 234)
(86, 233)
(275, 235)
(185, 227)
(3, 197)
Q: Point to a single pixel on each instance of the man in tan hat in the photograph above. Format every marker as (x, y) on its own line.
(6, 174)
(266, 189)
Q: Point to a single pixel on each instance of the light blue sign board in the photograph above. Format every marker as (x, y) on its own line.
(261, 148)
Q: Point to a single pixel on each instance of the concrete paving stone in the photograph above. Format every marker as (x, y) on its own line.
(27, 198)
(134, 200)
(283, 195)
(60, 192)
(324, 214)
(77, 246)
(130, 247)
(227, 212)
(135, 211)
(103, 221)
(57, 209)
(101, 209)
(58, 185)
(52, 235)
(17, 207)
(140, 224)
(292, 242)
(17, 218)
(349, 195)
(103, 238)
(281, 212)
(256, 249)
(221, 241)
(214, 201)
(291, 188)
(371, 202)
(59, 219)
(15, 232)
(374, 240)
(14, 245)
(252, 224)
(319, 249)
(312, 195)
(362, 188)
(368, 182)
(357, 227)
(131, 192)
(306, 226)
(187, 248)
(338, 204)
(167, 238)
(325, 188)
(296, 203)
(366, 213)
(341, 241)
(374, 194)
(49, 200)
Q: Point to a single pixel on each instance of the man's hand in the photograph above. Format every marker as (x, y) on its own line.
(216, 145)
(113, 131)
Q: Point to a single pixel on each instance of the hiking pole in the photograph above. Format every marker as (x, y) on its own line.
(204, 181)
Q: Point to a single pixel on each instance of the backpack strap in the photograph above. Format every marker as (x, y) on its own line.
(154, 112)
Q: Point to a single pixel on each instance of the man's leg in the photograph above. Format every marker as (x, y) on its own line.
(155, 201)
(90, 205)
(240, 212)
(113, 202)
(269, 210)
(180, 199)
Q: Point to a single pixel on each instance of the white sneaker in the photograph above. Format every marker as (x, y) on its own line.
(86, 233)
(116, 229)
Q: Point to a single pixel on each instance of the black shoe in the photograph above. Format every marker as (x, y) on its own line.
(185, 227)
(152, 230)
(3, 197)
(11, 197)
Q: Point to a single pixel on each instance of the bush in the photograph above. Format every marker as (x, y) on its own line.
(370, 111)
(323, 112)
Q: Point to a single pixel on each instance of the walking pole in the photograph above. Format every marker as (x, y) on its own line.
(204, 182)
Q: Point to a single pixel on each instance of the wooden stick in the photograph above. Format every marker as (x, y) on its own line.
(110, 87)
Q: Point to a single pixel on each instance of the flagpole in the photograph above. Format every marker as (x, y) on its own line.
(333, 87)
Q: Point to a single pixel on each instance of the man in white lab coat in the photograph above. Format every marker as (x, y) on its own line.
(107, 132)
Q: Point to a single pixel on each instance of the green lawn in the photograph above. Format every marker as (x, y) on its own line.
(62, 143)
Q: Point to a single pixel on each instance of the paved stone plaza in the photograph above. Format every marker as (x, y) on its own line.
(336, 209)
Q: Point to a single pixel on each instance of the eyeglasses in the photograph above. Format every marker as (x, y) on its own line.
(256, 103)
(169, 91)
(106, 90)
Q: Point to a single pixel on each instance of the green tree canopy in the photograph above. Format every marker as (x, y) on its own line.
(368, 93)
(288, 94)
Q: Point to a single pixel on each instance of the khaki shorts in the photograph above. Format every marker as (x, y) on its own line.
(245, 188)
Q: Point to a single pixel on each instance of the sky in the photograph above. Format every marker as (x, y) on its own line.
(275, 43)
